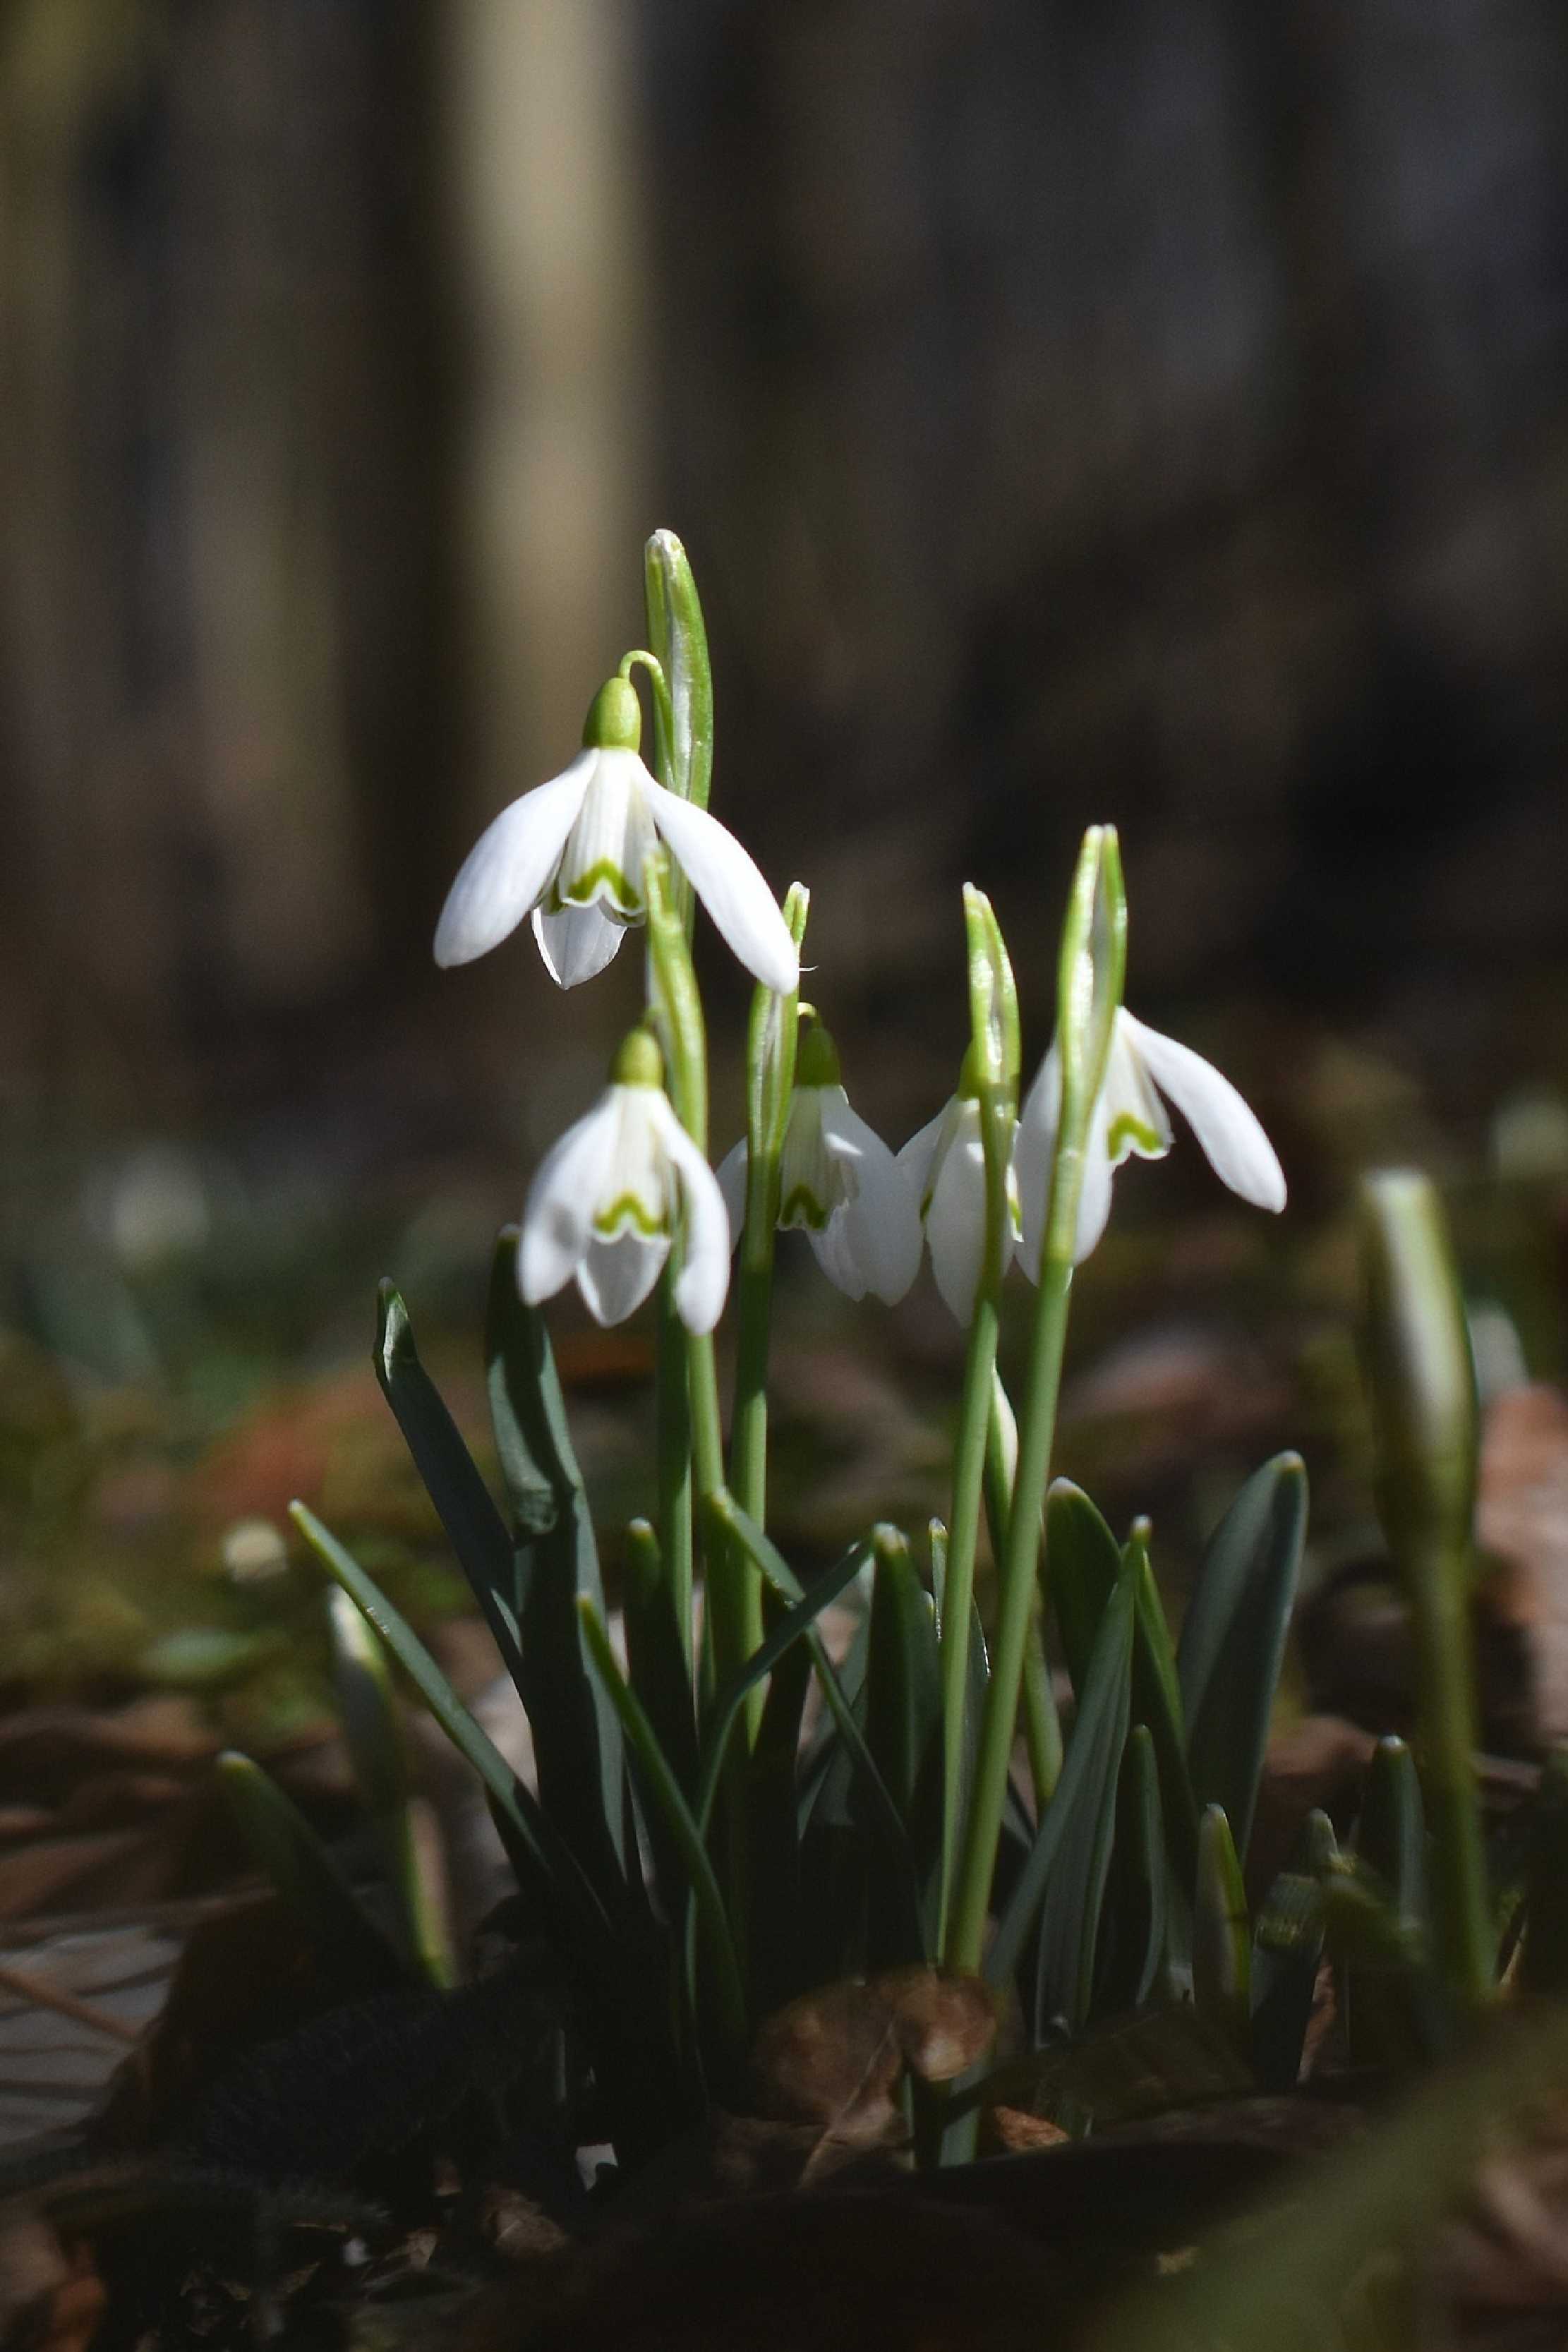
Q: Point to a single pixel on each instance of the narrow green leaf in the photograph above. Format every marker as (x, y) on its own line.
(1075, 1895)
(553, 1563)
(292, 1856)
(1085, 1561)
(1072, 1852)
(1157, 1700)
(1135, 1903)
(367, 1709)
(1222, 1932)
(1287, 1952)
(1233, 1639)
(579, 1909)
(883, 1822)
(659, 1666)
(904, 1732)
(476, 1531)
(664, 1793)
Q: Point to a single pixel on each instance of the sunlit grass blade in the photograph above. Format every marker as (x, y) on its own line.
(664, 1793)
(367, 1709)
(1287, 1952)
(1222, 1933)
(1233, 1639)
(1070, 1855)
(287, 1851)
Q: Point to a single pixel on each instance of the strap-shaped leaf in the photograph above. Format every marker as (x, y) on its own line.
(1287, 1951)
(1222, 1933)
(665, 1793)
(368, 1711)
(554, 1565)
(1157, 1701)
(578, 1915)
(475, 1527)
(1233, 1638)
(904, 1732)
(1135, 1903)
(883, 1822)
(1072, 1852)
(1083, 1562)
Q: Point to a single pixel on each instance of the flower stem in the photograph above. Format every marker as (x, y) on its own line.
(958, 1582)
(966, 1931)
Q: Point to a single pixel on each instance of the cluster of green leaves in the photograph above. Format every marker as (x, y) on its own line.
(692, 1881)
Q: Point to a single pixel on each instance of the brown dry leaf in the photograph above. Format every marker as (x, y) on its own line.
(1014, 2131)
(114, 1870)
(1509, 2252)
(48, 1751)
(944, 2021)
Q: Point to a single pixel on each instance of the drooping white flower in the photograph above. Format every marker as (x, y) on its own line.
(571, 852)
(945, 1161)
(604, 1202)
(1129, 1117)
(838, 1181)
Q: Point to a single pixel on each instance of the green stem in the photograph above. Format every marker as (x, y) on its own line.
(673, 1440)
(1036, 1434)
(958, 1581)
(1450, 1736)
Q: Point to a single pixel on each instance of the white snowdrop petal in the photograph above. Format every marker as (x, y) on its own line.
(730, 886)
(576, 943)
(833, 1247)
(732, 1173)
(616, 1276)
(1094, 1199)
(1229, 1132)
(604, 853)
(704, 1279)
(881, 1223)
(1135, 1118)
(509, 867)
(916, 1156)
(1032, 1148)
(566, 1190)
(955, 1225)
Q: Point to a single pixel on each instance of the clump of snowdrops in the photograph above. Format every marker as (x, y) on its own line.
(693, 1859)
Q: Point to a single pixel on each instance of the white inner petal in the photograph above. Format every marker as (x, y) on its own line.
(1129, 1113)
(603, 860)
(634, 1188)
(814, 1180)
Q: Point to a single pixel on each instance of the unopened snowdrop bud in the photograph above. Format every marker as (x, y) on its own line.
(572, 854)
(605, 1203)
(945, 1161)
(839, 1182)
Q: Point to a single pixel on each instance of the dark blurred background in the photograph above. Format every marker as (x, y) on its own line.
(1155, 411)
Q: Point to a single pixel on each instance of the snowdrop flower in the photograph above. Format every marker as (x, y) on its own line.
(571, 852)
(838, 1181)
(603, 1206)
(1129, 1116)
(946, 1164)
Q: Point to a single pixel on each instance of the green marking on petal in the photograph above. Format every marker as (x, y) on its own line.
(628, 1213)
(603, 880)
(1126, 1130)
(802, 1208)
